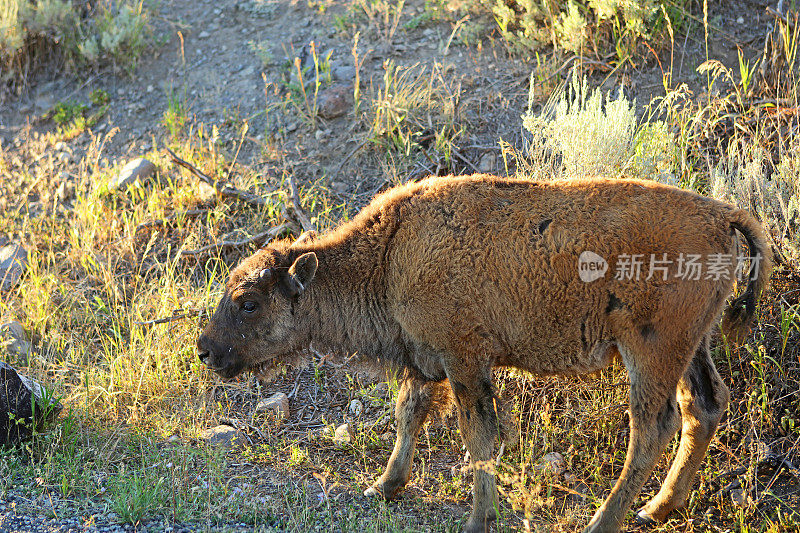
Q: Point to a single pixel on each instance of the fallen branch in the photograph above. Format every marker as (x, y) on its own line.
(174, 318)
(260, 238)
(294, 198)
(174, 216)
(224, 189)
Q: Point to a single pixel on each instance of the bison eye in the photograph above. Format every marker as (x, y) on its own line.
(249, 306)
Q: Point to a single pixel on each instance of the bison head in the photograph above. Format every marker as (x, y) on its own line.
(254, 326)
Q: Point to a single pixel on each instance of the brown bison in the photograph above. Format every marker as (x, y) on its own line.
(448, 278)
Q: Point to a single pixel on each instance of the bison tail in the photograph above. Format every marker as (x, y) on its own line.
(739, 313)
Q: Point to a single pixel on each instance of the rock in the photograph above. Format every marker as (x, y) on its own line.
(277, 404)
(345, 73)
(138, 169)
(13, 261)
(17, 395)
(205, 192)
(356, 407)
(343, 435)
(204, 35)
(740, 498)
(335, 101)
(487, 162)
(65, 191)
(12, 336)
(339, 187)
(222, 435)
(553, 463)
(44, 103)
(247, 72)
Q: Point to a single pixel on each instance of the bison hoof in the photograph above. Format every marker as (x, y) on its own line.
(382, 490)
(475, 525)
(374, 492)
(644, 519)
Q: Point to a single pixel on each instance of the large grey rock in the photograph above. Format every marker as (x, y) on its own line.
(345, 73)
(223, 436)
(139, 169)
(277, 404)
(13, 261)
(23, 406)
(13, 338)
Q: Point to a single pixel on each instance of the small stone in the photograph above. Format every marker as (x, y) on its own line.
(44, 103)
(740, 20)
(339, 187)
(150, 88)
(291, 127)
(223, 436)
(345, 73)
(277, 404)
(487, 162)
(553, 463)
(356, 407)
(248, 71)
(13, 261)
(335, 101)
(343, 435)
(13, 337)
(739, 497)
(138, 169)
(204, 35)
(206, 192)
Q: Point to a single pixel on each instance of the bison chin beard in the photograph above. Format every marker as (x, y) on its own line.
(266, 371)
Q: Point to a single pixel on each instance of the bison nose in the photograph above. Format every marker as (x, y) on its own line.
(202, 352)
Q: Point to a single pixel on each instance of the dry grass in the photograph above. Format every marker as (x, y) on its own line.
(104, 261)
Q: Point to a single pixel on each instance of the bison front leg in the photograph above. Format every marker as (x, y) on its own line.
(478, 422)
(413, 404)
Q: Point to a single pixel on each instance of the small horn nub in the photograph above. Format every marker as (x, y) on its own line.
(265, 275)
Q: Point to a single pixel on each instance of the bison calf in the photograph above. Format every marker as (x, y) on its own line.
(450, 277)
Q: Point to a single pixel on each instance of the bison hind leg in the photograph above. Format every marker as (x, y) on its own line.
(703, 398)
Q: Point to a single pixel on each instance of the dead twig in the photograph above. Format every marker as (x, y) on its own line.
(223, 189)
(174, 318)
(260, 238)
(171, 218)
(294, 199)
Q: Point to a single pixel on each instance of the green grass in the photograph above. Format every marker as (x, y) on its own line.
(136, 398)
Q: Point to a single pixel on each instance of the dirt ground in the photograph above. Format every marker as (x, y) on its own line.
(205, 59)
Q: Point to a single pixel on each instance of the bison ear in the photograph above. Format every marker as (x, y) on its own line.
(302, 272)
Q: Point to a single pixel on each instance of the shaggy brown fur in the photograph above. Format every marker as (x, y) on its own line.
(450, 277)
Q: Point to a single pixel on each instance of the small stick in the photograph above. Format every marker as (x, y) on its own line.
(294, 198)
(164, 221)
(224, 189)
(219, 246)
(168, 319)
